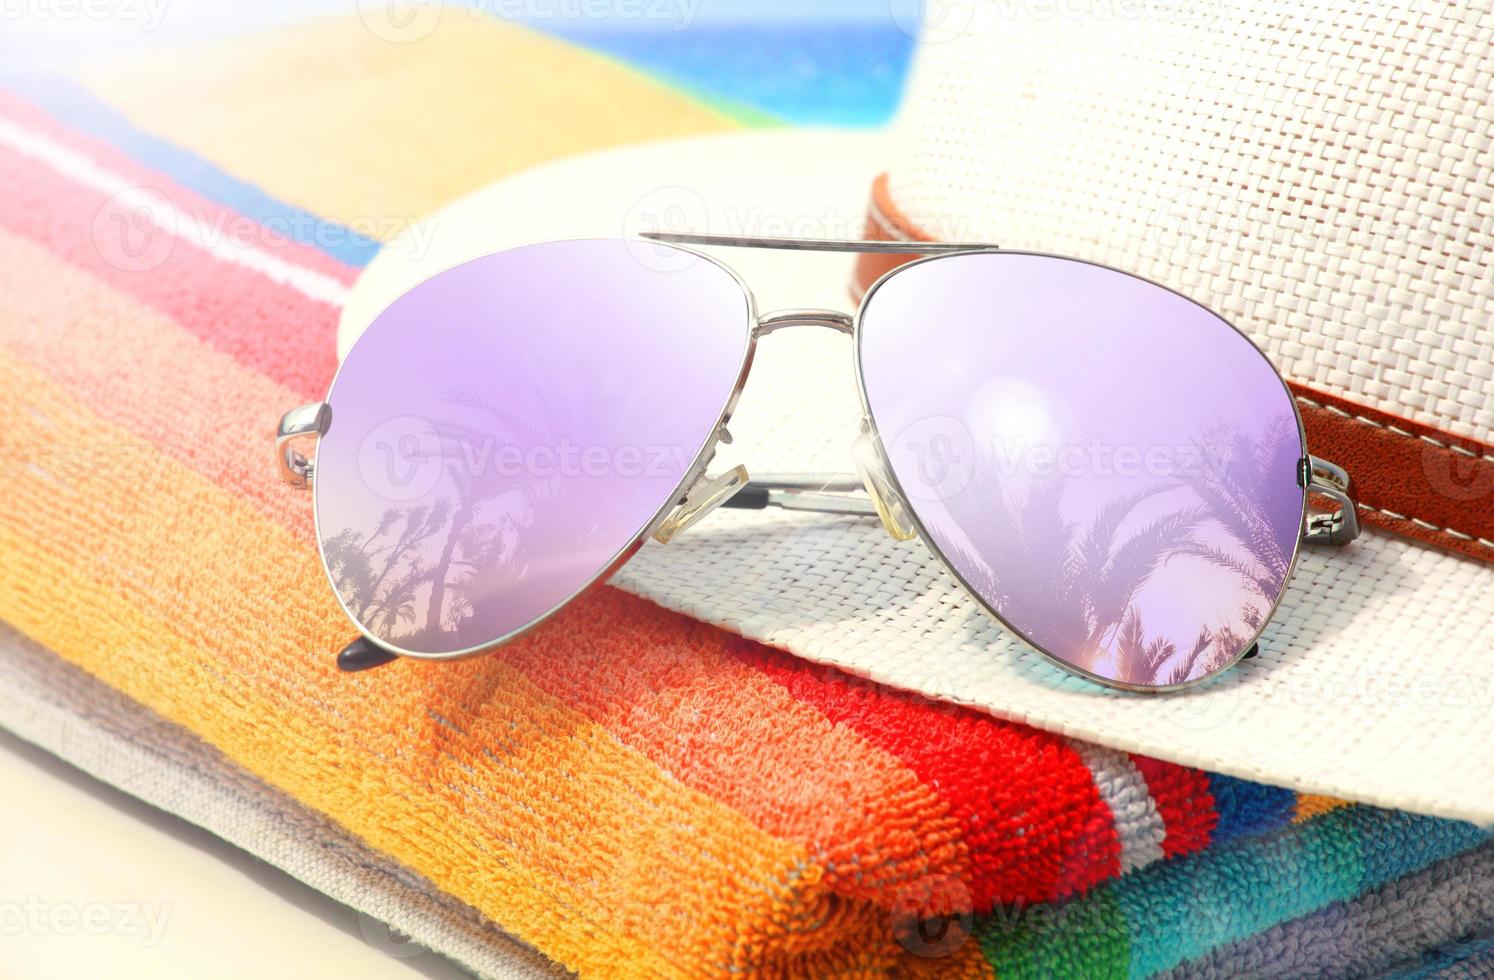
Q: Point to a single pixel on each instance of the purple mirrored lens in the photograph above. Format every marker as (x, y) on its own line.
(506, 429)
(1109, 466)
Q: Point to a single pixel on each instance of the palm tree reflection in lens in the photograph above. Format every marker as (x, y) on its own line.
(427, 571)
(1075, 586)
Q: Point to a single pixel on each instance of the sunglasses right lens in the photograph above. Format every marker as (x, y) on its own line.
(1110, 467)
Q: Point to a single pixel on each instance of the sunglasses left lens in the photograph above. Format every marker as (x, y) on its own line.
(505, 431)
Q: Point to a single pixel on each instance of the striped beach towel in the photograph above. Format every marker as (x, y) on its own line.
(626, 790)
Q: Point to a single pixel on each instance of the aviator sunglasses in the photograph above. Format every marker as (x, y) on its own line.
(1113, 471)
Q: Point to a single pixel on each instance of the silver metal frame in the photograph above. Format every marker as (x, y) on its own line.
(815, 244)
(875, 492)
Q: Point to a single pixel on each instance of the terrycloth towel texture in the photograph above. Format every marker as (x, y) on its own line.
(57, 706)
(627, 790)
(1363, 937)
(1338, 865)
(1470, 959)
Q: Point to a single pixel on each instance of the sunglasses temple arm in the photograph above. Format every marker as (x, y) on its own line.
(836, 494)
(825, 494)
(363, 654)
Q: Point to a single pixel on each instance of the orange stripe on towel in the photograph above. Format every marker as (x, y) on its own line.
(142, 572)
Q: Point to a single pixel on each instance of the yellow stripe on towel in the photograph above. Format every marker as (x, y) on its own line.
(373, 133)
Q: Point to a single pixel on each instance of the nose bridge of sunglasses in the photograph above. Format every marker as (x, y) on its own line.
(870, 494)
(780, 319)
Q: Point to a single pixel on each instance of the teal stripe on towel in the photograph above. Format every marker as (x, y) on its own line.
(1178, 910)
(1192, 906)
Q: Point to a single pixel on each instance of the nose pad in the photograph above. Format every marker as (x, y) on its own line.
(707, 493)
(890, 505)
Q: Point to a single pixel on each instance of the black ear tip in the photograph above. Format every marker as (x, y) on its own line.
(363, 654)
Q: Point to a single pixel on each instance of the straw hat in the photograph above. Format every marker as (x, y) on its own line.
(1319, 174)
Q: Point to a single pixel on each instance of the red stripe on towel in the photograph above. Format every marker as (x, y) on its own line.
(1185, 803)
(268, 326)
(1027, 806)
(107, 156)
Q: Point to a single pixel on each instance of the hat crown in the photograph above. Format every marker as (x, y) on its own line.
(1319, 173)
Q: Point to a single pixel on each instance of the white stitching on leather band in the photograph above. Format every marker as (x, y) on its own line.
(1400, 432)
(1429, 526)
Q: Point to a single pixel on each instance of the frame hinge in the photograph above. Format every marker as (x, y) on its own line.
(299, 423)
(1326, 479)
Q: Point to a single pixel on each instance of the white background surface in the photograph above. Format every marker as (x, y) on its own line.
(82, 865)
